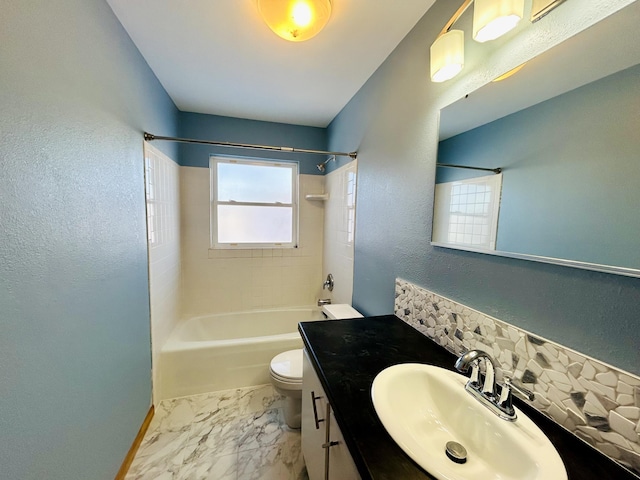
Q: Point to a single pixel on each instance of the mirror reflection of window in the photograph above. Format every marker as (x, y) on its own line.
(466, 212)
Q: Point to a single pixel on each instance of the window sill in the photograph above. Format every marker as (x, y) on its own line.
(253, 253)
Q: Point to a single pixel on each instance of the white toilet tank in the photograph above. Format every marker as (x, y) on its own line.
(340, 310)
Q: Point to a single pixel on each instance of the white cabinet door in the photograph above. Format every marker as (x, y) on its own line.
(341, 466)
(313, 432)
(315, 410)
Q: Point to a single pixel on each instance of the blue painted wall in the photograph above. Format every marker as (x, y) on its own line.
(570, 174)
(75, 97)
(393, 123)
(237, 130)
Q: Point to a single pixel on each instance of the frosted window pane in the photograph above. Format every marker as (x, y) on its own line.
(249, 224)
(254, 183)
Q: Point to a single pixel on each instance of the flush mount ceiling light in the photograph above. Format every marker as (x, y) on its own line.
(491, 19)
(295, 20)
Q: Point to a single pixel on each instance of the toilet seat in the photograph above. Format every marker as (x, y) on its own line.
(287, 366)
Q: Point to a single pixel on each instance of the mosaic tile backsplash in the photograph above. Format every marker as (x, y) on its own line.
(597, 402)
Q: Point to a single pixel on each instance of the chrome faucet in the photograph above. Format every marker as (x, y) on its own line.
(324, 301)
(486, 393)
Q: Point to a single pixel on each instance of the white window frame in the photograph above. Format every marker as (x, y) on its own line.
(442, 214)
(213, 221)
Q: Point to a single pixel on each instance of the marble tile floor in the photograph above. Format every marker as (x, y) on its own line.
(229, 435)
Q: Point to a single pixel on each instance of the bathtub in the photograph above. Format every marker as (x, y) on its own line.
(230, 350)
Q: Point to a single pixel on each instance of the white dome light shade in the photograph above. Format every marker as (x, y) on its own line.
(447, 56)
(295, 20)
(494, 18)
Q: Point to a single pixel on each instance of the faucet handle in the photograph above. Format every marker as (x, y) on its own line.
(522, 392)
(505, 402)
(474, 378)
(505, 394)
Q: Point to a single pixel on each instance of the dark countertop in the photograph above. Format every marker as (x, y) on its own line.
(348, 354)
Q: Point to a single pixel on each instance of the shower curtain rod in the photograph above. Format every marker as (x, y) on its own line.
(149, 137)
(447, 165)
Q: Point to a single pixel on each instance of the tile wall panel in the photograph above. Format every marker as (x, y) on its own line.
(218, 281)
(339, 231)
(162, 187)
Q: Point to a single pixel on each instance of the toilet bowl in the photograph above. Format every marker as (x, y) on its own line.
(285, 369)
(286, 377)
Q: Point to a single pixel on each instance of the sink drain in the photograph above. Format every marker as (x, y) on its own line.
(456, 452)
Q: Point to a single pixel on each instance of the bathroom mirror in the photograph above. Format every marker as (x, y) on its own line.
(565, 131)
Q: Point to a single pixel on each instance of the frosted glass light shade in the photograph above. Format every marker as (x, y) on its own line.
(447, 56)
(295, 20)
(494, 18)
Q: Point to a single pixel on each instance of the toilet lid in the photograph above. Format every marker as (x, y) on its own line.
(288, 365)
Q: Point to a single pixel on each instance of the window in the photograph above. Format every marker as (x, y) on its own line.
(254, 204)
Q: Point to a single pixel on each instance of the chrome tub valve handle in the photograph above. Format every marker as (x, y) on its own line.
(328, 283)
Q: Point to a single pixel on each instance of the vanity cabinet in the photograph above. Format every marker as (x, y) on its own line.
(348, 355)
(325, 452)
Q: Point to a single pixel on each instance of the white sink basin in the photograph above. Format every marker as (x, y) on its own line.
(423, 407)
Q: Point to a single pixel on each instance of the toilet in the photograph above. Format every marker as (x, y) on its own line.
(286, 369)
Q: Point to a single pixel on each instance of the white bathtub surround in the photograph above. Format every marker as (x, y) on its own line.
(597, 402)
(217, 352)
(339, 231)
(163, 231)
(218, 281)
(228, 435)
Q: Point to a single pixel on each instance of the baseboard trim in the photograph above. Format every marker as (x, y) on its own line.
(128, 460)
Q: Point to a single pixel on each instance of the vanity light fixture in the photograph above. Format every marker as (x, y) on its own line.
(494, 18)
(491, 20)
(295, 20)
(447, 56)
